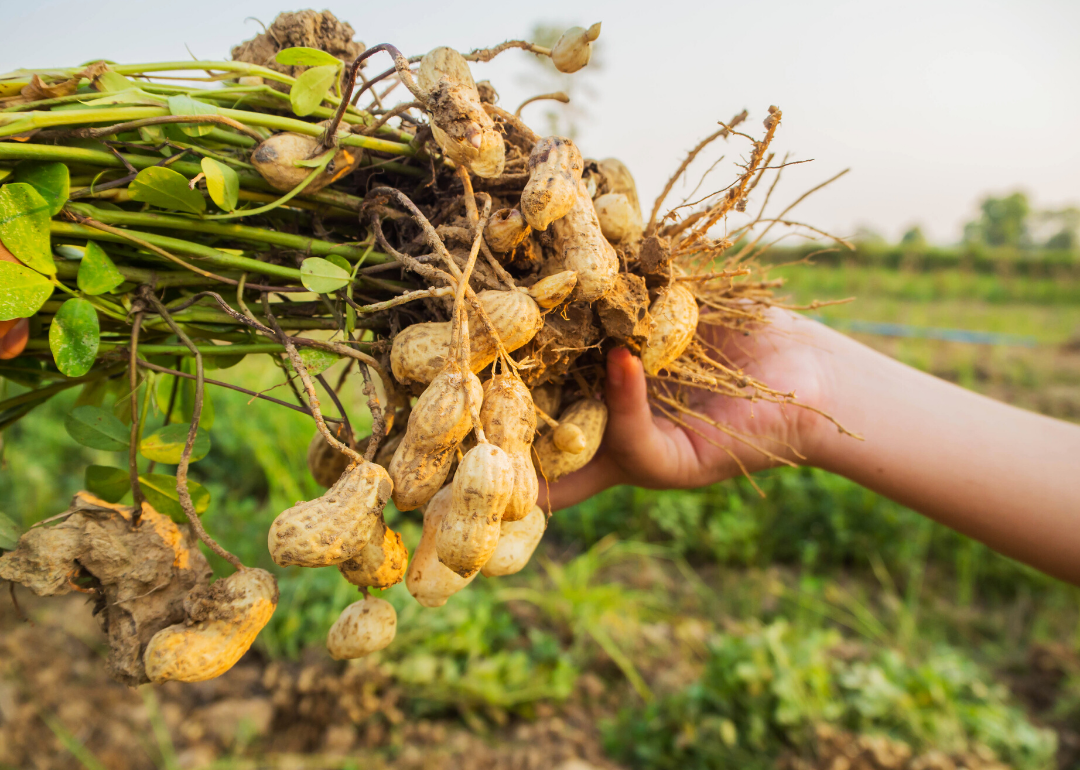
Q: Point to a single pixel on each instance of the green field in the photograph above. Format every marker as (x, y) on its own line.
(705, 629)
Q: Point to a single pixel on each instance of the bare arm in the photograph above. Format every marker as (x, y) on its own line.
(1007, 477)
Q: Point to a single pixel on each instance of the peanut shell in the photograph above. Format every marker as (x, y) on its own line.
(555, 167)
(428, 580)
(275, 158)
(573, 50)
(362, 628)
(481, 489)
(509, 420)
(674, 320)
(380, 564)
(517, 541)
(582, 248)
(590, 416)
(552, 291)
(619, 221)
(505, 230)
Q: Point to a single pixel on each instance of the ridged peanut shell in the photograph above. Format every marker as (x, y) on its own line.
(332, 528)
(509, 420)
(419, 352)
(674, 320)
(443, 62)
(428, 580)
(438, 422)
(380, 564)
(223, 621)
(517, 541)
(275, 158)
(324, 461)
(618, 179)
(547, 398)
(583, 248)
(619, 221)
(480, 491)
(552, 291)
(572, 51)
(505, 230)
(362, 628)
(555, 167)
(587, 414)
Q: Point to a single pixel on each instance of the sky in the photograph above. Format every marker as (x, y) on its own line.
(931, 103)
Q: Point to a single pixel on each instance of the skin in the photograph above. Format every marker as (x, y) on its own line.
(1002, 475)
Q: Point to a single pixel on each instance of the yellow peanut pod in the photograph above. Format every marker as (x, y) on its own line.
(573, 50)
(619, 221)
(505, 230)
(223, 620)
(275, 159)
(429, 581)
(555, 167)
(362, 628)
(618, 179)
(419, 352)
(438, 422)
(482, 487)
(517, 541)
(332, 528)
(509, 420)
(590, 417)
(324, 461)
(569, 438)
(547, 398)
(674, 320)
(380, 564)
(552, 291)
(582, 248)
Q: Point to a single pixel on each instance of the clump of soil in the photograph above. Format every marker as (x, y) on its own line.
(138, 577)
(310, 29)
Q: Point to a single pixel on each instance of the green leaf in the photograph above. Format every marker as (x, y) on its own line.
(305, 57)
(9, 534)
(24, 226)
(22, 291)
(311, 88)
(185, 105)
(340, 261)
(160, 492)
(132, 96)
(166, 189)
(74, 337)
(187, 400)
(322, 276)
(97, 428)
(106, 482)
(93, 393)
(165, 445)
(51, 180)
(316, 361)
(222, 183)
(97, 273)
(109, 80)
(24, 370)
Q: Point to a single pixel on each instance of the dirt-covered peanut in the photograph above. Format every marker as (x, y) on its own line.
(550, 292)
(419, 352)
(517, 541)
(582, 247)
(618, 179)
(459, 124)
(275, 159)
(547, 398)
(555, 167)
(482, 487)
(573, 50)
(324, 461)
(363, 627)
(222, 621)
(569, 438)
(429, 581)
(509, 420)
(674, 320)
(505, 230)
(380, 564)
(619, 220)
(439, 421)
(332, 528)
(587, 414)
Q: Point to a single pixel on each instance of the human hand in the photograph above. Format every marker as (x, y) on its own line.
(644, 448)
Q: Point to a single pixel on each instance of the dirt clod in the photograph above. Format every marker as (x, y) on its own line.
(624, 312)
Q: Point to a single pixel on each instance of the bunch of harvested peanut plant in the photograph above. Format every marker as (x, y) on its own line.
(156, 223)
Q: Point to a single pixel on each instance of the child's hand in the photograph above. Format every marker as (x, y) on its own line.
(647, 449)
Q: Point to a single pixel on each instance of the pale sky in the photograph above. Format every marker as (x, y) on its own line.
(932, 103)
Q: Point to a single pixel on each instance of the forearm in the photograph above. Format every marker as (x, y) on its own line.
(1007, 477)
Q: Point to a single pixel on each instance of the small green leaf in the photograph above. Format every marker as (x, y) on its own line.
(131, 96)
(340, 261)
(160, 492)
(311, 88)
(51, 180)
(9, 534)
(24, 226)
(316, 361)
(74, 337)
(305, 57)
(93, 393)
(222, 362)
(97, 273)
(106, 482)
(321, 276)
(185, 105)
(22, 291)
(167, 189)
(109, 80)
(187, 400)
(165, 445)
(222, 183)
(97, 428)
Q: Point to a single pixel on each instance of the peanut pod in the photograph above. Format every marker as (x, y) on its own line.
(509, 420)
(618, 179)
(573, 50)
(481, 489)
(555, 167)
(619, 221)
(505, 230)
(362, 628)
(428, 580)
(590, 417)
(276, 158)
(551, 291)
(335, 527)
(674, 320)
(517, 541)
(582, 248)
(324, 461)
(380, 564)
(223, 620)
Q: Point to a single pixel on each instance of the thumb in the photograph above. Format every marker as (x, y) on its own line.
(632, 433)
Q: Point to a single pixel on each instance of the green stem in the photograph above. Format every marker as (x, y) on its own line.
(40, 394)
(151, 349)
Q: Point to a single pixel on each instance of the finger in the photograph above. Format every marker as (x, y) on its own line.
(599, 474)
(635, 438)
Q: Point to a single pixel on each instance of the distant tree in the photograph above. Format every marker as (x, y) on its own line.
(913, 238)
(1004, 221)
(867, 236)
(1067, 224)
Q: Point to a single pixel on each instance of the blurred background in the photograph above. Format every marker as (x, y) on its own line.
(816, 626)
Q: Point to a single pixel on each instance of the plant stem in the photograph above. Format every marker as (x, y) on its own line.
(136, 419)
(152, 350)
